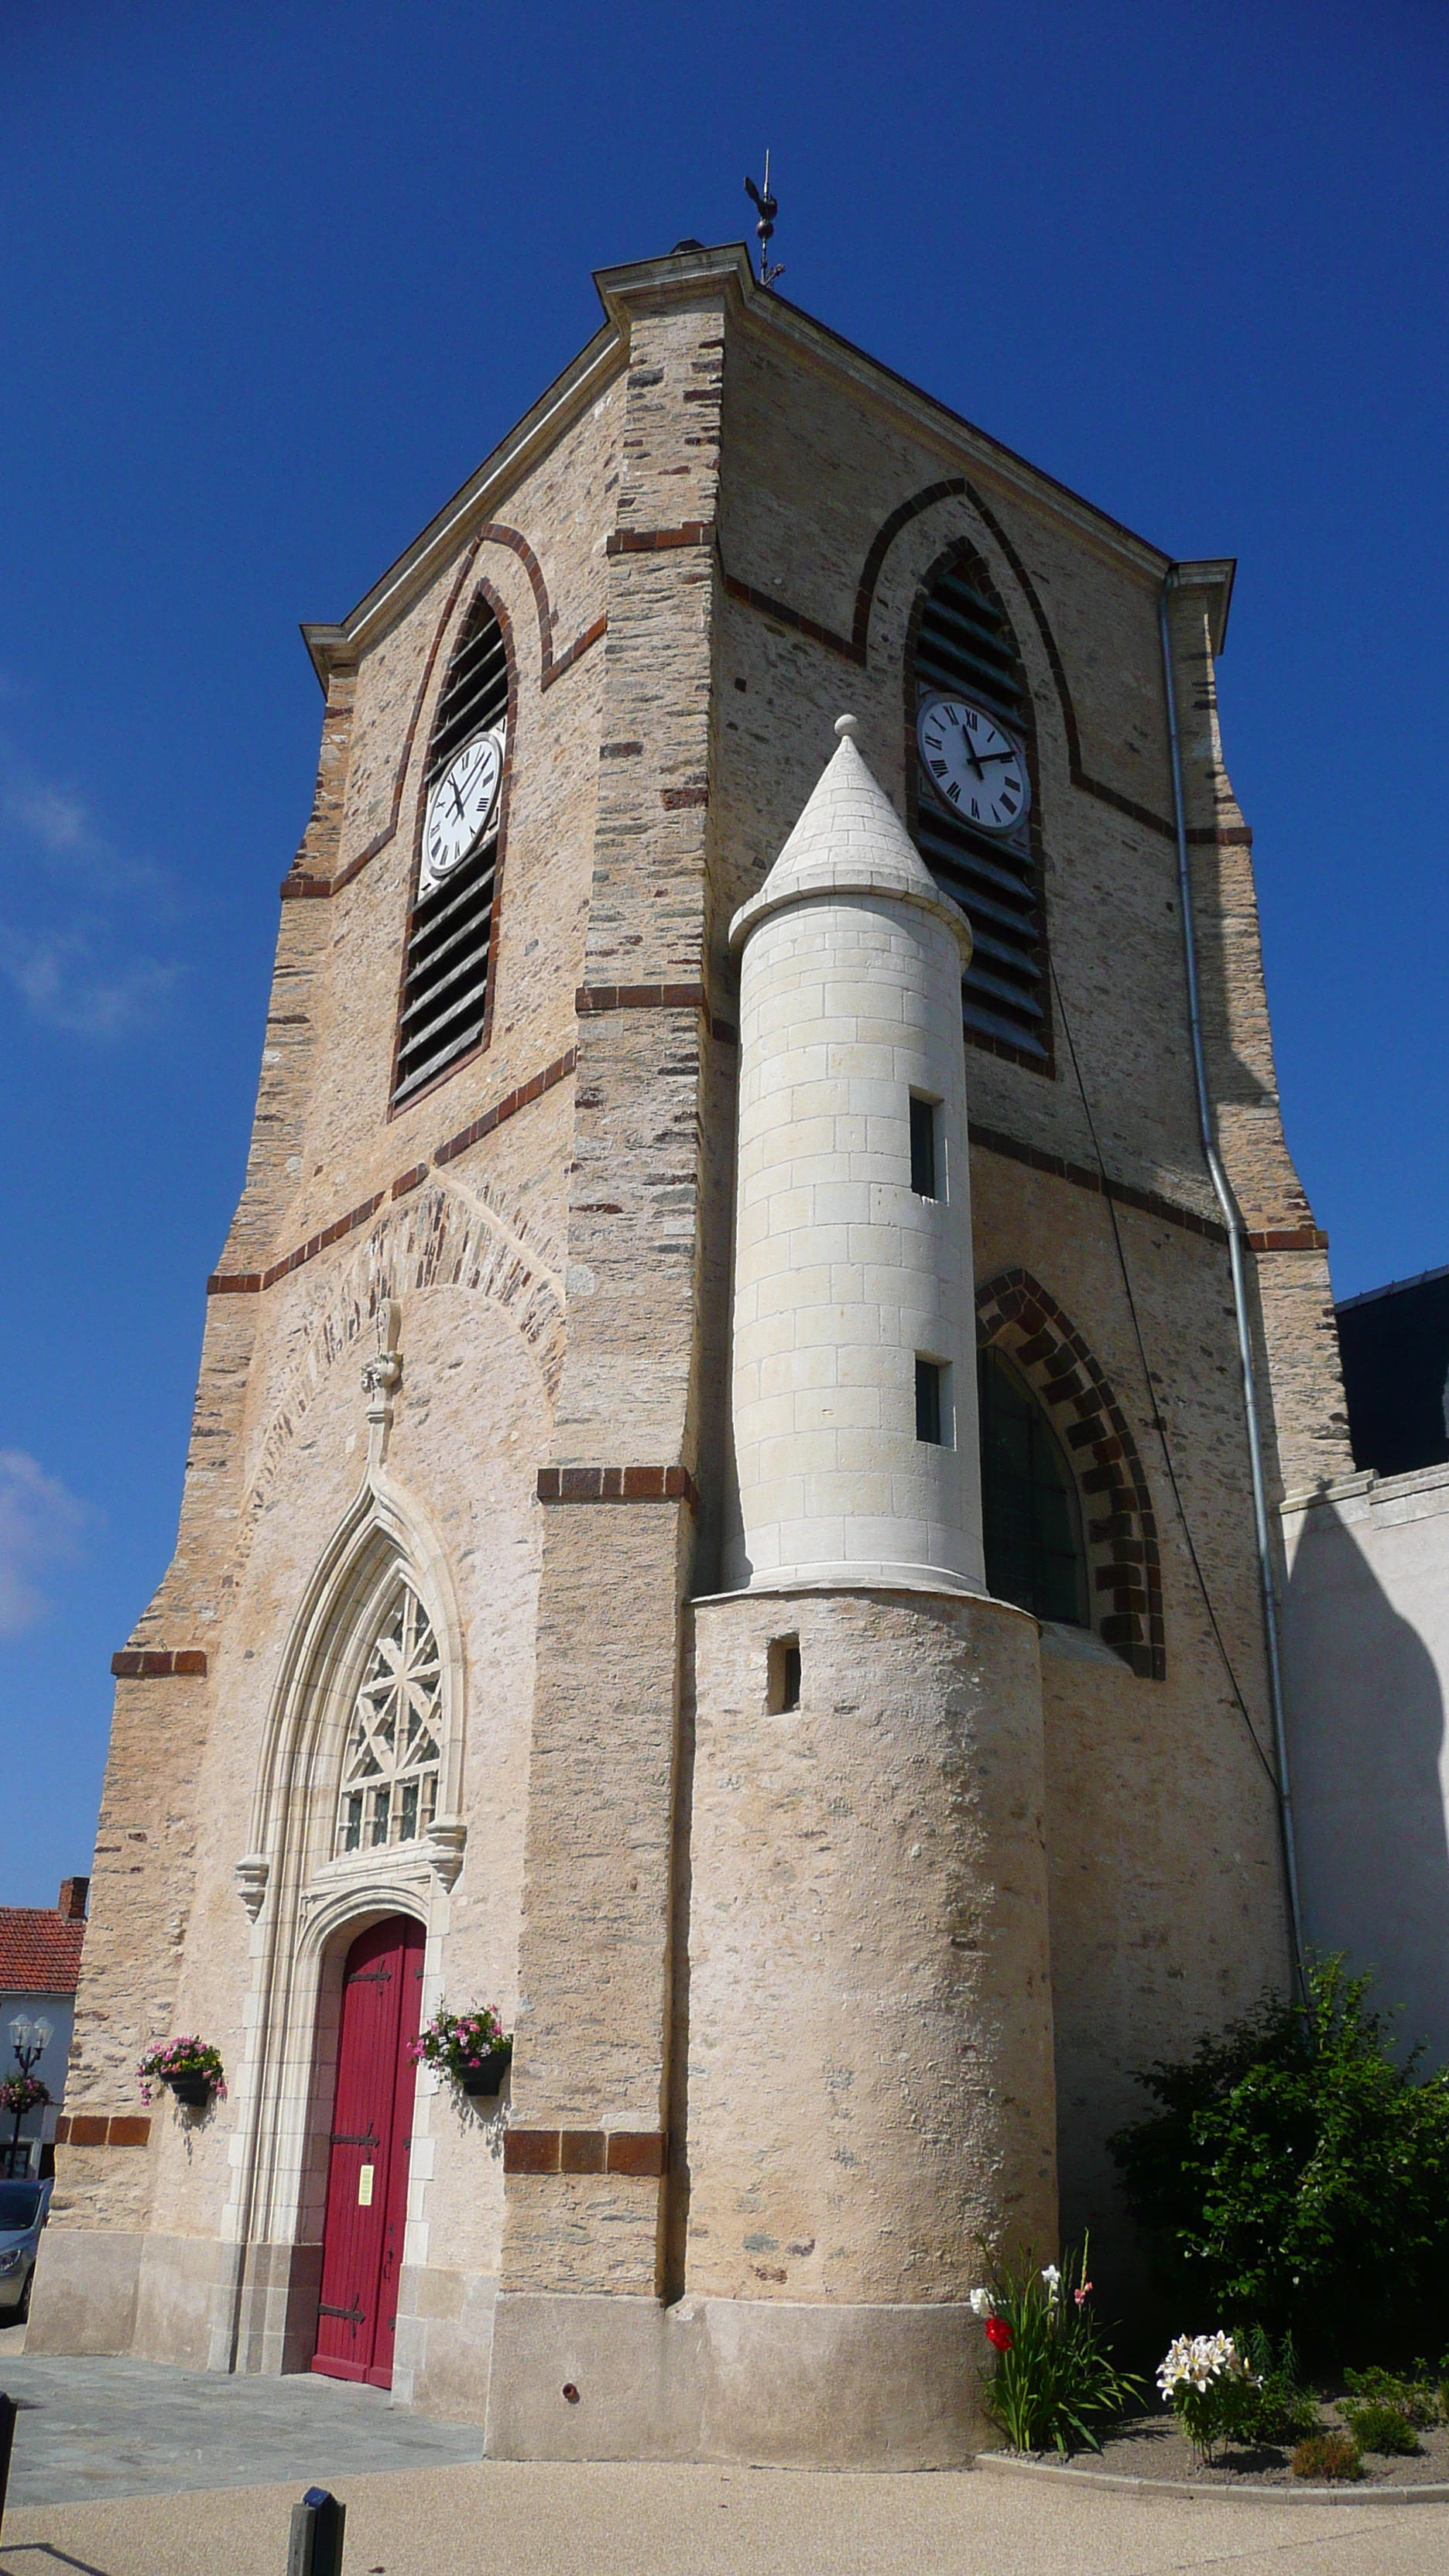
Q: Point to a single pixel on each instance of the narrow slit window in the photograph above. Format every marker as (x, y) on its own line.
(970, 715)
(784, 1675)
(923, 1148)
(929, 1409)
(450, 936)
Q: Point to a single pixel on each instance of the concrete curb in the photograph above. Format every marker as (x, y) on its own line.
(1005, 2464)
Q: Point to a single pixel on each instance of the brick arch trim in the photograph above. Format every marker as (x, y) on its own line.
(1018, 1316)
(552, 666)
(854, 646)
(474, 1238)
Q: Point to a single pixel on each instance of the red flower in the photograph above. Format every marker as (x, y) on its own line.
(999, 2334)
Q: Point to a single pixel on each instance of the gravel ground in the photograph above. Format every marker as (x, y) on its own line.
(1150, 2446)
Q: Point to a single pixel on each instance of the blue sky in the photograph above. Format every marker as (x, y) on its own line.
(277, 277)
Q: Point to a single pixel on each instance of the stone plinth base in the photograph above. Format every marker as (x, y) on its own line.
(777, 2383)
(84, 2298)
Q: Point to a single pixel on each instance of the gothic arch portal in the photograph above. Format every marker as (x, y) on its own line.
(1016, 1315)
(309, 1900)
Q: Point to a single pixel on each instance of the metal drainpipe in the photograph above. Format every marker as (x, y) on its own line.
(1233, 1223)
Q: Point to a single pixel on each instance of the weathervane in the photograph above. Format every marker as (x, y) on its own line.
(768, 209)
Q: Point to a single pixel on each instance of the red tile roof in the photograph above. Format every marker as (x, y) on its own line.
(40, 1952)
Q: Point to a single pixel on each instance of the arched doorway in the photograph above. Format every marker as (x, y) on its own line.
(367, 2173)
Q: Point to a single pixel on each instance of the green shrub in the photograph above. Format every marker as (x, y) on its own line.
(1272, 2406)
(1054, 2378)
(1327, 2456)
(1376, 2427)
(1295, 2173)
(1416, 2399)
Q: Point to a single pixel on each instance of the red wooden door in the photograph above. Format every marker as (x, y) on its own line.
(367, 2174)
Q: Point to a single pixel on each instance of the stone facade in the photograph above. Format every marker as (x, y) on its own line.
(707, 538)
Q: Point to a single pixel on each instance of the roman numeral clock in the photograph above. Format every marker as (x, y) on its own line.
(977, 770)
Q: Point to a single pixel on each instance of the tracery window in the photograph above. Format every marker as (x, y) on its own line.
(444, 1010)
(1031, 1522)
(963, 653)
(390, 1762)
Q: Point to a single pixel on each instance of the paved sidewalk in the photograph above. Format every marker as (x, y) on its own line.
(125, 2469)
(507, 2519)
(89, 2428)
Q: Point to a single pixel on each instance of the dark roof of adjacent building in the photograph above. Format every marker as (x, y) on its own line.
(1395, 1346)
(40, 1945)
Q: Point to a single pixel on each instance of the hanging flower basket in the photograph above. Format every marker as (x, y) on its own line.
(22, 2093)
(471, 2048)
(487, 2076)
(190, 2068)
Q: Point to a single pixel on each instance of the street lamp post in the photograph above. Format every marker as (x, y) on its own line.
(30, 2040)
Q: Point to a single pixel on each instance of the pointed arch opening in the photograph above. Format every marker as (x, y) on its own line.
(976, 819)
(1076, 1428)
(393, 1745)
(446, 1005)
(1031, 1516)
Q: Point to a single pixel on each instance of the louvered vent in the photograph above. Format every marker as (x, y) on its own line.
(965, 650)
(445, 985)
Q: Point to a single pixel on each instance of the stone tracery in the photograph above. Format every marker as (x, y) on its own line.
(389, 1788)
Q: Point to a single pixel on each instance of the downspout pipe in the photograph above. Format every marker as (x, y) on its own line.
(1234, 1225)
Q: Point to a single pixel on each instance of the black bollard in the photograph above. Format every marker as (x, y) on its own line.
(7, 2436)
(315, 2546)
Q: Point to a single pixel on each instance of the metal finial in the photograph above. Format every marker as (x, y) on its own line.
(767, 208)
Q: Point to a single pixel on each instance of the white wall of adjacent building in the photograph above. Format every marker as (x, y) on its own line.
(1366, 1639)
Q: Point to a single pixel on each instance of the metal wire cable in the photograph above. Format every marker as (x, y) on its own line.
(1159, 1426)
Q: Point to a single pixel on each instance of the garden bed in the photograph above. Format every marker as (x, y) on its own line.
(1153, 2446)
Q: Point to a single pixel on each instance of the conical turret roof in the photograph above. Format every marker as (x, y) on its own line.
(848, 840)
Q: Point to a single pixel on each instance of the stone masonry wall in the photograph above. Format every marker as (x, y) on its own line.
(472, 1242)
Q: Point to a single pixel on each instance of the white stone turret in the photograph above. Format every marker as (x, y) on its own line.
(854, 1329)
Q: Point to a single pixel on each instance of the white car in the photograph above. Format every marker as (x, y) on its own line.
(24, 2209)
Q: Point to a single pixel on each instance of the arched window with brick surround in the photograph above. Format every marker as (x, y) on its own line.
(447, 984)
(1041, 1355)
(961, 653)
(1031, 1518)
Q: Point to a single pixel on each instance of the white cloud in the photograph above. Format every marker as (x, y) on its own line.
(70, 910)
(40, 1525)
(60, 821)
(69, 984)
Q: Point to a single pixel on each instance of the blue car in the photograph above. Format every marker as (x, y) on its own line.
(24, 2208)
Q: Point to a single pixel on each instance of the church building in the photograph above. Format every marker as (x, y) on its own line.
(720, 1517)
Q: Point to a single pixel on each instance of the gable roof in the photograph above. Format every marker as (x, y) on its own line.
(682, 274)
(40, 1952)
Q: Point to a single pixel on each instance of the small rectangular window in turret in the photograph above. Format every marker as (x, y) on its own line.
(932, 1415)
(923, 1147)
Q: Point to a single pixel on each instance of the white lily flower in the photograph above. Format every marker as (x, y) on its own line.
(982, 2304)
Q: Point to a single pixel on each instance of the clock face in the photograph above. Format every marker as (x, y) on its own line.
(975, 768)
(459, 807)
